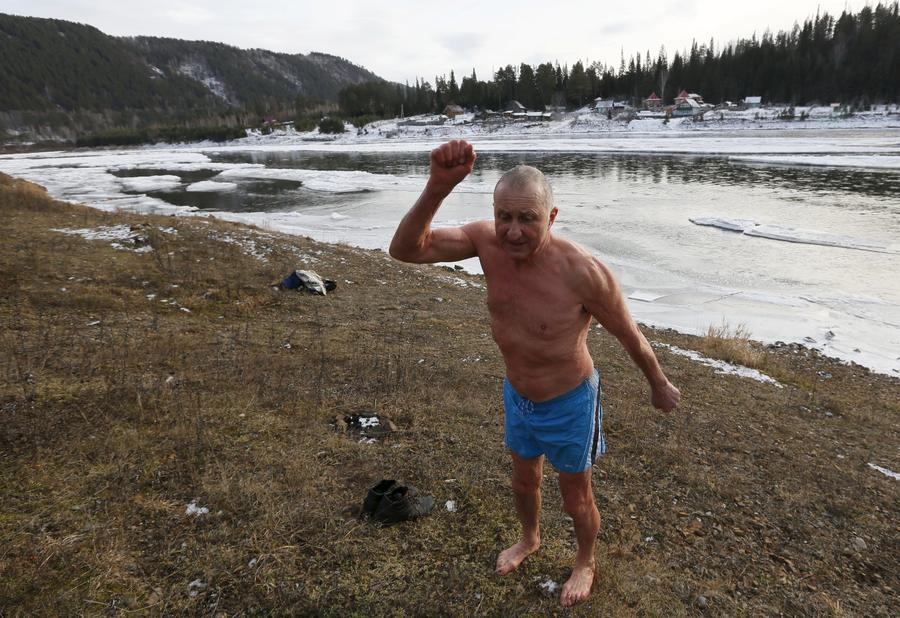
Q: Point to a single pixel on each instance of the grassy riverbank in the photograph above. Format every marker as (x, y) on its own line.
(136, 382)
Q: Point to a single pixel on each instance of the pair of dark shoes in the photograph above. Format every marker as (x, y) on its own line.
(389, 503)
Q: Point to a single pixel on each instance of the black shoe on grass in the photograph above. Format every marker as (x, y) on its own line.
(374, 497)
(402, 504)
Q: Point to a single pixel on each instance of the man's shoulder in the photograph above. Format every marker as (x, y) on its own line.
(479, 231)
(574, 255)
(582, 268)
(479, 227)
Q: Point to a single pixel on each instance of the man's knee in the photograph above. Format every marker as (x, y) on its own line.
(527, 475)
(525, 484)
(578, 499)
(579, 503)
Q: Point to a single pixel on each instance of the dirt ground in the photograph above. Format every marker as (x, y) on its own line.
(168, 371)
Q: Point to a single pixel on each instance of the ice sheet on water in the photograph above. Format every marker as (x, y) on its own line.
(515, 139)
(342, 181)
(731, 225)
(812, 237)
(749, 227)
(145, 184)
(647, 297)
(211, 186)
(877, 162)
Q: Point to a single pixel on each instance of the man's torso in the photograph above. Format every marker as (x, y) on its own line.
(537, 316)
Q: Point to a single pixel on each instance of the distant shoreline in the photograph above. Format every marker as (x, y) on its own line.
(580, 123)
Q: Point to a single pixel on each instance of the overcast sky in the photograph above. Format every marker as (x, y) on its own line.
(401, 39)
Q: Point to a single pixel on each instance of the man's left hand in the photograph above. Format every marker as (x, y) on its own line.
(665, 397)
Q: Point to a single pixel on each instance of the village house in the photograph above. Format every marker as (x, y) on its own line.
(538, 115)
(684, 95)
(603, 105)
(453, 110)
(686, 107)
(653, 102)
(752, 102)
(514, 107)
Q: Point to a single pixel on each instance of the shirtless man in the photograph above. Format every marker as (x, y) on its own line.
(542, 292)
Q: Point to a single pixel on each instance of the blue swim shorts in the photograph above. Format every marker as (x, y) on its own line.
(568, 429)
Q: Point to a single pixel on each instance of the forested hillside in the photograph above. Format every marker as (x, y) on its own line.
(63, 73)
(853, 59)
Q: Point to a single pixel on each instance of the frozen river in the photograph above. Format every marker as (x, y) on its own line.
(795, 236)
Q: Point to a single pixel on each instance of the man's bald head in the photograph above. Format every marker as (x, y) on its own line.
(526, 178)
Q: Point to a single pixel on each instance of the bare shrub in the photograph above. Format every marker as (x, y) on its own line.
(732, 344)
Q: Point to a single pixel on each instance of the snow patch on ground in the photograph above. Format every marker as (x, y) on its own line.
(202, 74)
(247, 245)
(885, 471)
(460, 282)
(141, 249)
(107, 232)
(718, 365)
(194, 510)
(548, 586)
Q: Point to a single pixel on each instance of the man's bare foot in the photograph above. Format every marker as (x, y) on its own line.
(578, 587)
(510, 559)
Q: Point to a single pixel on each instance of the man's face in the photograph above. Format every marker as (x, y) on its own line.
(521, 220)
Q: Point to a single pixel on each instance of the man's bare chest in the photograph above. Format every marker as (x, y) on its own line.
(542, 306)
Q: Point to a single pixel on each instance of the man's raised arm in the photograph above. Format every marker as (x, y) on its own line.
(414, 240)
(608, 305)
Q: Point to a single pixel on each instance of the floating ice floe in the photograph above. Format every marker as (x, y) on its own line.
(647, 297)
(718, 365)
(885, 471)
(196, 511)
(748, 227)
(853, 161)
(211, 186)
(145, 184)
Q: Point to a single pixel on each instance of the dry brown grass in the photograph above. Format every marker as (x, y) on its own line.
(118, 410)
(733, 345)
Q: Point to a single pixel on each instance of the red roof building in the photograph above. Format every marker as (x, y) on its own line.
(653, 102)
(684, 95)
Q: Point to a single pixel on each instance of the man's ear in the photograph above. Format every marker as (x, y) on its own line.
(553, 212)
